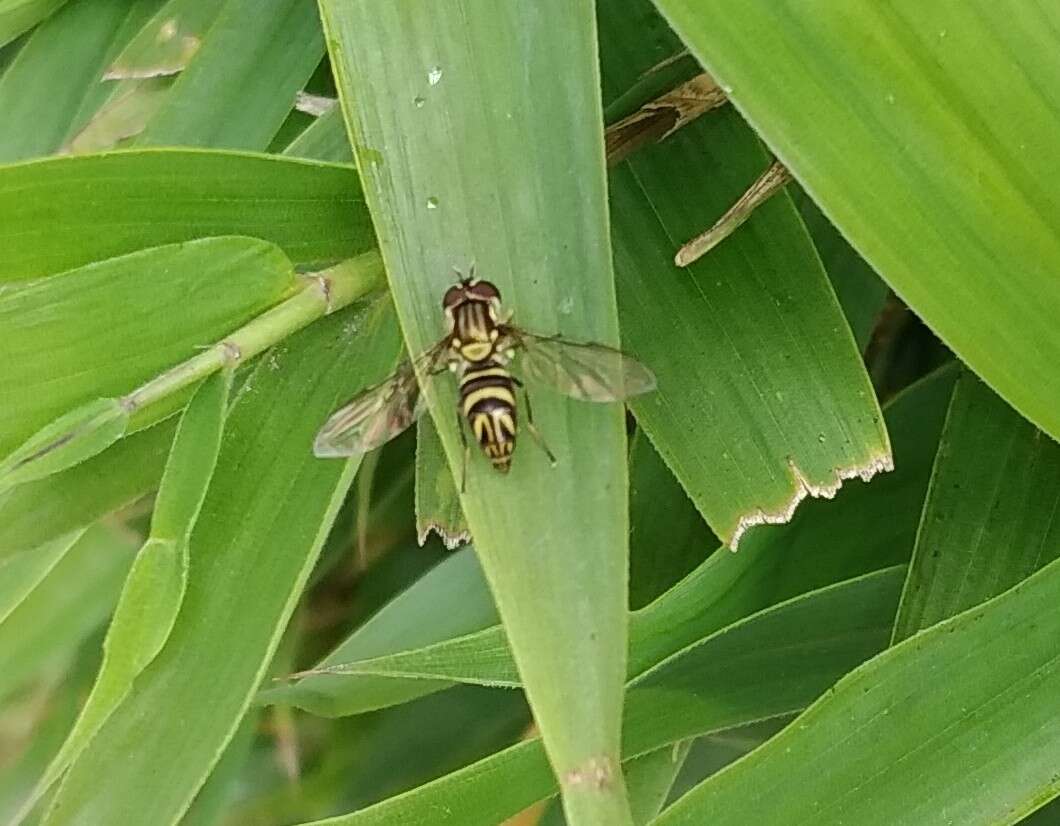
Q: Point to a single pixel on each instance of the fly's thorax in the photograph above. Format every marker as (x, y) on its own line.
(474, 329)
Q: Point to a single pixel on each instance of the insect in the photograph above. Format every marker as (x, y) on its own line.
(479, 348)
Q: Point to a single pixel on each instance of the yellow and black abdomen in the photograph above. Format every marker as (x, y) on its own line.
(487, 401)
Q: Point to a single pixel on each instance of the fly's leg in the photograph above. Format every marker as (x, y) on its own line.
(531, 428)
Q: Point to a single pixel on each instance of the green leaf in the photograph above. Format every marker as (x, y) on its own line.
(941, 190)
(66, 441)
(62, 213)
(213, 799)
(667, 536)
(905, 732)
(519, 188)
(437, 498)
(167, 41)
(451, 600)
(867, 526)
(20, 574)
(131, 105)
(229, 96)
(23, 766)
(37, 512)
(990, 517)
(154, 589)
(824, 544)
(860, 291)
(68, 604)
(191, 460)
(105, 328)
(266, 514)
(16, 16)
(323, 140)
(769, 664)
(762, 398)
(57, 73)
(650, 777)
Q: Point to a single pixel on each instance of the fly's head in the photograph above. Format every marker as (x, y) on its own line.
(473, 290)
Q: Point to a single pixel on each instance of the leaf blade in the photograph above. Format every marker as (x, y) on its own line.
(870, 107)
(529, 222)
(63, 213)
(266, 449)
(977, 540)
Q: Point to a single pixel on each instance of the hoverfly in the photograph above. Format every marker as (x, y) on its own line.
(479, 346)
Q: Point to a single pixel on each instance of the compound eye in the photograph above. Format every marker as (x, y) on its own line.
(483, 290)
(453, 296)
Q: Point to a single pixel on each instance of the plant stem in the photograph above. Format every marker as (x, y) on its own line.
(320, 294)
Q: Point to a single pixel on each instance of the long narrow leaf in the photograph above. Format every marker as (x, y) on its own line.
(763, 399)
(155, 586)
(228, 96)
(268, 509)
(901, 740)
(451, 600)
(770, 664)
(990, 518)
(57, 72)
(941, 187)
(63, 213)
(69, 603)
(37, 512)
(519, 189)
(106, 328)
(16, 16)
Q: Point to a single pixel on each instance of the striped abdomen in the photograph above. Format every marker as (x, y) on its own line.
(487, 400)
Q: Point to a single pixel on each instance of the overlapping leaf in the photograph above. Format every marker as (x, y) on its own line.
(943, 189)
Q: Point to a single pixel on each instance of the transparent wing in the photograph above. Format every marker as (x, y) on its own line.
(582, 370)
(377, 414)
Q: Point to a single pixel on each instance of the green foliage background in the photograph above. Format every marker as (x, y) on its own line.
(812, 578)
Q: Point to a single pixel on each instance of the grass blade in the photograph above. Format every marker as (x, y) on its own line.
(68, 440)
(229, 96)
(990, 517)
(20, 574)
(266, 514)
(37, 512)
(97, 331)
(947, 684)
(16, 16)
(763, 399)
(155, 586)
(66, 606)
(57, 73)
(939, 188)
(521, 191)
(63, 213)
(449, 601)
(779, 661)
(437, 499)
